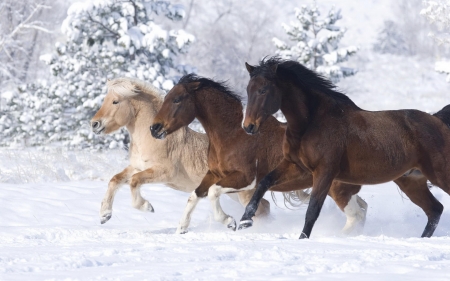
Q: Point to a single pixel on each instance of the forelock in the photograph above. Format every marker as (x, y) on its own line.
(122, 86)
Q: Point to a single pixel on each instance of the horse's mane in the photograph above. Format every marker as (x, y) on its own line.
(220, 86)
(131, 87)
(301, 76)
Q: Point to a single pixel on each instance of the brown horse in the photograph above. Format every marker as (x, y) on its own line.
(236, 160)
(328, 135)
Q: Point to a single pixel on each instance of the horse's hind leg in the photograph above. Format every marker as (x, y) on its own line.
(354, 207)
(153, 174)
(416, 188)
(264, 205)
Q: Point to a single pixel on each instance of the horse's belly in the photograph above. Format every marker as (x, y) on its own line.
(372, 175)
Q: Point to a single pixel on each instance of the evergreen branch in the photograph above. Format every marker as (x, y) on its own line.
(135, 11)
(102, 25)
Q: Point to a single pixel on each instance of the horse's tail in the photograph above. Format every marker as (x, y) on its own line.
(444, 115)
(294, 199)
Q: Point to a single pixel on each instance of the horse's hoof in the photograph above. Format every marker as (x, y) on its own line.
(245, 224)
(181, 231)
(147, 207)
(232, 225)
(303, 236)
(105, 218)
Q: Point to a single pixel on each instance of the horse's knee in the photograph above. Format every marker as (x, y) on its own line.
(213, 193)
(114, 181)
(134, 182)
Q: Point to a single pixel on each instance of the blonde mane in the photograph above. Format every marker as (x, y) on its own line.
(132, 87)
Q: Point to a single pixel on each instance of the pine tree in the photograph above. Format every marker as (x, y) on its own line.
(390, 40)
(438, 13)
(105, 39)
(316, 43)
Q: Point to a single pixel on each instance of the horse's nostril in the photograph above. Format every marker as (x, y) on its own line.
(156, 127)
(249, 128)
(95, 124)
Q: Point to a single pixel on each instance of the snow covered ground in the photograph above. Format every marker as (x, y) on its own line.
(50, 230)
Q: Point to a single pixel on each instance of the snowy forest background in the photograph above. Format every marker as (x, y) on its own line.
(55, 56)
(55, 59)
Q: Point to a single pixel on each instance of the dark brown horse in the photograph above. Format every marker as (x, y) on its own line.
(236, 160)
(328, 135)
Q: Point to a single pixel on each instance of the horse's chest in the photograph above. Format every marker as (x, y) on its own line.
(140, 160)
(294, 152)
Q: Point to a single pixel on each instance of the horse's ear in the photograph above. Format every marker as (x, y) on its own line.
(249, 68)
(193, 86)
(274, 68)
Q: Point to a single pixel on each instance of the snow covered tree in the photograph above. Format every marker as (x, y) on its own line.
(105, 39)
(438, 13)
(316, 43)
(390, 40)
(18, 22)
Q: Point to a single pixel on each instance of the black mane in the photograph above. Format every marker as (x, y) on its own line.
(208, 83)
(302, 77)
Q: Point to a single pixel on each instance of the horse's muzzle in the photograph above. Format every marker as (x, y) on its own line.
(251, 129)
(157, 131)
(97, 127)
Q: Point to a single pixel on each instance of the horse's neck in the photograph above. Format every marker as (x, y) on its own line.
(194, 154)
(218, 114)
(298, 109)
(145, 110)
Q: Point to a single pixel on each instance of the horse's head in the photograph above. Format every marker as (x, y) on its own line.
(178, 110)
(116, 110)
(264, 98)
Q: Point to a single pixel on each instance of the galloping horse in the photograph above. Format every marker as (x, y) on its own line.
(179, 161)
(328, 135)
(236, 160)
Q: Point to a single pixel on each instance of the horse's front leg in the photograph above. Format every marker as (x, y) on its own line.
(284, 172)
(214, 193)
(154, 174)
(200, 192)
(113, 186)
(321, 186)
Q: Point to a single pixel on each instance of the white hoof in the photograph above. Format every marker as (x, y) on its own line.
(105, 213)
(232, 224)
(147, 207)
(181, 230)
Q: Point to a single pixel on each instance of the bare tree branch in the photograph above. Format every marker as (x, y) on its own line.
(25, 24)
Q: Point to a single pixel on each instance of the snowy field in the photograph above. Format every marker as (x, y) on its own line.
(50, 230)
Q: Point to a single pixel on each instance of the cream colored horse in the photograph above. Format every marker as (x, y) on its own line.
(179, 161)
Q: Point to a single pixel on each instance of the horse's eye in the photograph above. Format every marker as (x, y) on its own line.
(177, 100)
(115, 102)
(263, 91)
